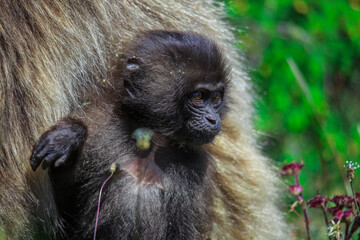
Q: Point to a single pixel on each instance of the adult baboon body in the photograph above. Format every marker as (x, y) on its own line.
(55, 54)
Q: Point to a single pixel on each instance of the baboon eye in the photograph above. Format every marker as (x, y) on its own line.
(217, 97)
(197, 97)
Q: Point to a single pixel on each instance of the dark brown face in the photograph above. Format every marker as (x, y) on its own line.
(203, 110)
(176, 86)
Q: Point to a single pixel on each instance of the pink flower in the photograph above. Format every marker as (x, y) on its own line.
(349, 202)
(333, 210)
(343, 201)
(295, 190)
(339, 215)
(318, 201)
(291, 169)
(357, 196)
(348, 216)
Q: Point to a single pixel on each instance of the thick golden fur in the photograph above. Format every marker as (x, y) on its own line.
(54, 52)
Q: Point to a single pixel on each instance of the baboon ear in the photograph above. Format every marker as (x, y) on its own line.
(133, 81)
(134, 64)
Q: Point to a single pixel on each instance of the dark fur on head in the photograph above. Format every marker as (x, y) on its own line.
(176, 63)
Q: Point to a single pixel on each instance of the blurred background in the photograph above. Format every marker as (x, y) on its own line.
(304, 57)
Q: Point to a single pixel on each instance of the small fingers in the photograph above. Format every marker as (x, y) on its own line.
(61, 161)
(35, 162)
(56, 145)
(40, 150)
(50, 159)
(43, 152)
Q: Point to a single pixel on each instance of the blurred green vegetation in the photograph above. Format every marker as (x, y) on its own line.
(304, 57)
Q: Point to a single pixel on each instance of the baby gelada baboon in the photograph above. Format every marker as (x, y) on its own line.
(173, 84)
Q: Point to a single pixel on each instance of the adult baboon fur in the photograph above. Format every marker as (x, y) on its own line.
(54, 54)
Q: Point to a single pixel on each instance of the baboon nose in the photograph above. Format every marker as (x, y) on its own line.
(211, 119)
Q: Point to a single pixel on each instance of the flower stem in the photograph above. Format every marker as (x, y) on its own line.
(98, 207)
(355, 226)
(303, 207)
(347, 231)
(326, 219)
(353, 193)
